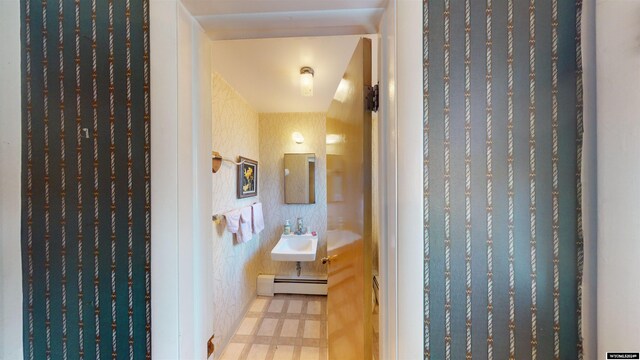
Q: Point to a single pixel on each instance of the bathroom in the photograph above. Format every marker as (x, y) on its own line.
(295, 149)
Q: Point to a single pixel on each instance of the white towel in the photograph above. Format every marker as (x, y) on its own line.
(233, 221)
(258, 219)
(246, 225)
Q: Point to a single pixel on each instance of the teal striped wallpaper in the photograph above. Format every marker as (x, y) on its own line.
(502, 148)
(86, 179)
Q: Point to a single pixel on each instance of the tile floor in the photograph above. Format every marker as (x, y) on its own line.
(281, 327)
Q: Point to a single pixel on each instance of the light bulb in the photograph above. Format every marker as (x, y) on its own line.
(306, 81)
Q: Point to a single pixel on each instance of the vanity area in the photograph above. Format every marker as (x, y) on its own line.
(299, 241)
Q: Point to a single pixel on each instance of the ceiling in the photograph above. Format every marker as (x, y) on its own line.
(256, 19)
(266, 72)
(259, 46)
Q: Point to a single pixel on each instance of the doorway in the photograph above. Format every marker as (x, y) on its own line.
(258, 253)
(281, 135)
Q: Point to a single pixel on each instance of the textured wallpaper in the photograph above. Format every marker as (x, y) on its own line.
(86, 179)
(502, 144)
(235, 266)
(275, 141)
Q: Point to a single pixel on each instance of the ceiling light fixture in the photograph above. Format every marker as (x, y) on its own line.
(306, 81)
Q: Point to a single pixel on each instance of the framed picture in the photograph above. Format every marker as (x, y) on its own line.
(247, 178)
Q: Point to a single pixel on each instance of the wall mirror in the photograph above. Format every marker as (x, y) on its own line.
(300, 178)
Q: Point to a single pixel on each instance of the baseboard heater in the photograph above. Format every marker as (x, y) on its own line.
(268, 285)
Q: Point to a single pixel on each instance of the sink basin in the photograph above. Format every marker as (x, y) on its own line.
(295, 248)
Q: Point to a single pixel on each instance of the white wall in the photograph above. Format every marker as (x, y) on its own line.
(194, 187)
(180, 151)
(185, 184)
(10, 188)
(203, 248)
(589, 183)
(164, 175)
(387, 173)
(618, 77)
(410, 261)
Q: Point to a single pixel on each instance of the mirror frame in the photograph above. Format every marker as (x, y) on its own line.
(312, 192)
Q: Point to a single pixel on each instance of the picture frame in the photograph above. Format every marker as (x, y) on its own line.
(247, 178)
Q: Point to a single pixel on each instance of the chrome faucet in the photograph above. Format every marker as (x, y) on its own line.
(299, 226)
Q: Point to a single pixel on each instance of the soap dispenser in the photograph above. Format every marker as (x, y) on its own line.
(287, 227)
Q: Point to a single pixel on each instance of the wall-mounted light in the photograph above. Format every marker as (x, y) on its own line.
(216, 161)
(297, 137)
(306, 81)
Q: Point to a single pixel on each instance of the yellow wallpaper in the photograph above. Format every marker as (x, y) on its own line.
(235, 266)
(275, 141)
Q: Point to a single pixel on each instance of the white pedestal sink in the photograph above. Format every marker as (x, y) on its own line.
(295, 248)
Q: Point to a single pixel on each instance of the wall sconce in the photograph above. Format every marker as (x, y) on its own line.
(306, 81)
(216, 161)
(297, 137)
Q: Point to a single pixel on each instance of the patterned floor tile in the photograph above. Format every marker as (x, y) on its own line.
(281, 327)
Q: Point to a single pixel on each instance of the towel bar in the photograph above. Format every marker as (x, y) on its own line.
(217, 218)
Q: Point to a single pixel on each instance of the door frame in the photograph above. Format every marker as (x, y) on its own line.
(387, 183)
(11, 316)
(161, 12)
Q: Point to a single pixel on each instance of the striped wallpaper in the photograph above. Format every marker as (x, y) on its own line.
(86, 179)
(502, 148)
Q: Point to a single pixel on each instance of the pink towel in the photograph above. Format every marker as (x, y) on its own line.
(233, 221)
(258, 219)
(246, 225)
